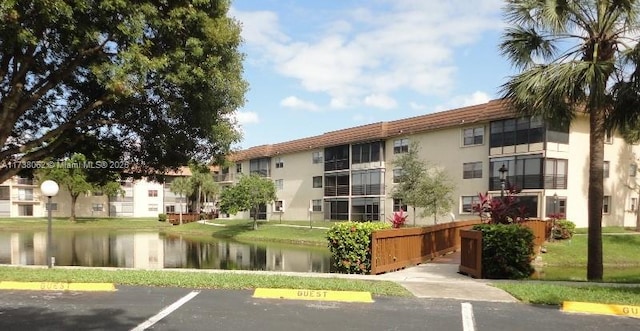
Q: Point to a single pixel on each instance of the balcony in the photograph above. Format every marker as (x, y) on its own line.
(335, 191)
(24, 181)
(25, 198)
(223, 177)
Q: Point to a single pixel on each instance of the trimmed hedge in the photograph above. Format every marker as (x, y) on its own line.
(507, 251)
(162, 217)
(564, 229)
(350, 245)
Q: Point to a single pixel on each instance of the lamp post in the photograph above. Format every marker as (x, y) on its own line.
(50, 189)
(503, 176)
(555, 216)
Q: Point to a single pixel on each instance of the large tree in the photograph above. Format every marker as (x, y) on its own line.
(577, 57)
(248, 194)
(77, 178)
(157, 82)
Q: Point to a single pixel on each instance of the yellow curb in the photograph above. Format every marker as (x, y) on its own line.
(598, 308)
(316, 295)
(56, 286)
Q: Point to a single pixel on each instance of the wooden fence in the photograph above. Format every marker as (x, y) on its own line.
(394, 249)
(174, 218)
(471, 246)
(471, 253)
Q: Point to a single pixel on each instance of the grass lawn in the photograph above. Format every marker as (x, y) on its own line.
(37, 223)
(608, 229)
(224, 280)
(618, 251)
(554, 294)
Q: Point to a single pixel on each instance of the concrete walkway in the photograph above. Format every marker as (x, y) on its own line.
(440, 279)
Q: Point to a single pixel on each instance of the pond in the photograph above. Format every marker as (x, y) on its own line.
(152, 250)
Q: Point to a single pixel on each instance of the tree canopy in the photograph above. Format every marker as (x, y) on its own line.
(577, 57)
(248, 194)
(153, 83)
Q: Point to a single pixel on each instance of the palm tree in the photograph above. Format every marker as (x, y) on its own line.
(577, 56)
(182, 187)
(210, 190)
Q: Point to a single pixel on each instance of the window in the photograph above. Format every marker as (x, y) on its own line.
(509, 132)
(25, 194)
(238, 167)
(555, 173)
(260, 166)
(25, 210)
(54, 206)
(278, 206)
(397, 175)
(4, 193)
(316, 157)
(472, 170)
(153, 193)
(279, 162)
(633, 168)
(473, 136)
(398, 204)
(97, 207)
(367, 182)
(467, 203)
(336, 184)
(556, 206)
(364, 153)
(605, 169)
(366, 209)
(336, 158)
(317, 181)
(606, 204)
(400, 146)
(279, 184)
(170, 208)
(634, 204)
(153, 207)
(608, 137)
(316, 205)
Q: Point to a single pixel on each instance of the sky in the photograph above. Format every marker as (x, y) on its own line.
(319, 66)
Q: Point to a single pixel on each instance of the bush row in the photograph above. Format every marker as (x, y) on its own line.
(350, 245)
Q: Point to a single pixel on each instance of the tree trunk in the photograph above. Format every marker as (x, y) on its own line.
(255, 218)
(74, 199)
(596, 195)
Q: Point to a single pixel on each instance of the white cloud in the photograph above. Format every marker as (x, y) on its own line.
(363, 52)
(380, 101)
(246, 117)
(297, 103)
(475, 98)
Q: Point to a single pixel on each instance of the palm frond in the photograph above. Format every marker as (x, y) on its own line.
(520, 45)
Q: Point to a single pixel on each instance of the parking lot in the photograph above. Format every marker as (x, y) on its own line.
(139, 308)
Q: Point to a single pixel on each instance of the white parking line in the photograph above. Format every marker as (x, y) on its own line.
(468, 322)
(163, 313)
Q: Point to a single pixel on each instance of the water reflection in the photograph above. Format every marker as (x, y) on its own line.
(149, 250)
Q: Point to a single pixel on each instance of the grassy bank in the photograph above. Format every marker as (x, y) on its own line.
(240, 230)
(189, 279)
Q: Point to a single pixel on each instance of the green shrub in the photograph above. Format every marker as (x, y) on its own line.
(564, 229)
(162, 217)
(507, 251)
(350, 245)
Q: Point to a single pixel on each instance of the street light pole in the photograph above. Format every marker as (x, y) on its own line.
(555, 216)
(503, 176)
(50, 189)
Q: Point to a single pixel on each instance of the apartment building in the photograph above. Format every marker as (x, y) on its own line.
(349, 174)
(21, 197)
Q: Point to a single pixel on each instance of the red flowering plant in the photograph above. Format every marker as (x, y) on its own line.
(500, 210)
(398, 219)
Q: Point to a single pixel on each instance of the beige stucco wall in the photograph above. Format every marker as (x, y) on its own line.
(444, 148)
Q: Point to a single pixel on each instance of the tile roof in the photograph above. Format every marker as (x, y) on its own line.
(492, 110)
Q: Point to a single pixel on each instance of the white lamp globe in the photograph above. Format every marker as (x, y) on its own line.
(49, 188)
